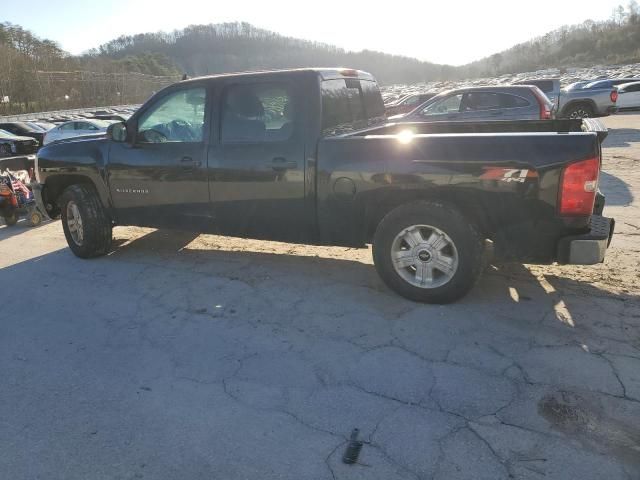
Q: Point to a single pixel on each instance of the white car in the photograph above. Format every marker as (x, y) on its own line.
(629, 95)
(76, 128)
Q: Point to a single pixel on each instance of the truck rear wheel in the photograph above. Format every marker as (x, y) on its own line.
(580, 110)
(86, 225)
(428, 252)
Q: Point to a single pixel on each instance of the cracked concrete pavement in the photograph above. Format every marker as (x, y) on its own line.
(184, 356)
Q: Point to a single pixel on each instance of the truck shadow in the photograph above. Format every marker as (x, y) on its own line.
(326, 277)
(616, 191)
(566, 301)
(19, 228)
(562, 300)
(621, 137)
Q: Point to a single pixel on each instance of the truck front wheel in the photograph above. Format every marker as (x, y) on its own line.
(428, 252)
(85, 222)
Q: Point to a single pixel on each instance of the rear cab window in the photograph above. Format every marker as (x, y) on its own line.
(350, 104)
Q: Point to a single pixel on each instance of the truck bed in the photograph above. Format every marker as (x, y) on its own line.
(505, 176)
(522, 126)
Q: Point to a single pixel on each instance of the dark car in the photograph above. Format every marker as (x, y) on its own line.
(11, 144)
(475, 104)
(24, 129)
(306, 156)
(549, 86)
(408, 103)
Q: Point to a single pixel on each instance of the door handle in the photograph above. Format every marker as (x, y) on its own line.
(190, 162)
(280, 164)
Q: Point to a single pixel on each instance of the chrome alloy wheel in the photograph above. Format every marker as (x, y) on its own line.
(424, 256)
(579, 113)
(74, 223)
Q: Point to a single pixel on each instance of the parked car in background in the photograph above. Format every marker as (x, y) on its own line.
(609, 83)
(483, 103)
(11, 144)
(408, 103)
(578, 85)
(588, 102)
(118, 117)
(76, 128)
(549, 86)
(45, 126)
(629, 95)
(24, 129)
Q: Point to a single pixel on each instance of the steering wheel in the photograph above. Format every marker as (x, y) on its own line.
(181, 129)
(154, 136)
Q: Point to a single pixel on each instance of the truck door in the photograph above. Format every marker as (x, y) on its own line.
(159, 178)
(257, 169)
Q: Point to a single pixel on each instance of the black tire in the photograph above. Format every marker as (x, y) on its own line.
(11, 220)
(464, 236)
(95, 223)
(580, 110)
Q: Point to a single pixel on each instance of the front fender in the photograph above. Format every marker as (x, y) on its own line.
(81, 161)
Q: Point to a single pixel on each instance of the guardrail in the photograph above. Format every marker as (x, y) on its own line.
(25, 117)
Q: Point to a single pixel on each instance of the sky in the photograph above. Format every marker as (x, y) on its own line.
(453, 32)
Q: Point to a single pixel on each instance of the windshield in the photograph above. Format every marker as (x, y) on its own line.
(5, 134)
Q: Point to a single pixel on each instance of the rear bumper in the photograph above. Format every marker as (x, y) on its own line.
(588, 248)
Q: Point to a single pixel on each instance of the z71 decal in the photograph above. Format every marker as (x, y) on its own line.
(508, 175)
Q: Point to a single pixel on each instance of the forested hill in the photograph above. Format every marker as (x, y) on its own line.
(232, 47)
(609, 42)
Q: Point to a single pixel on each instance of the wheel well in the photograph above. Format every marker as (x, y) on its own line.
(383, 204)
(54, 187)
(574, 103)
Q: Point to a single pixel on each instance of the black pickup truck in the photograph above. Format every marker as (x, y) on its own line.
(306, 156)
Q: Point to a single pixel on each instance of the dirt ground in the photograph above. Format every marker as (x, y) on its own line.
(184, 356)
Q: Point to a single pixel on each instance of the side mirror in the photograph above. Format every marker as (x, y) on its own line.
(117, 132)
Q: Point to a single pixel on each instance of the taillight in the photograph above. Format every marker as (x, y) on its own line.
(578, 187)
(614, 96)
(545, 108)
(545, 112)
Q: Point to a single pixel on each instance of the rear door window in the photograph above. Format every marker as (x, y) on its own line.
(257, 112)
(513, 101)
(477, 101)
(450, 104)
(480, 101)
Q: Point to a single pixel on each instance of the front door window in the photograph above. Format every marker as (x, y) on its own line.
(178, 117)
